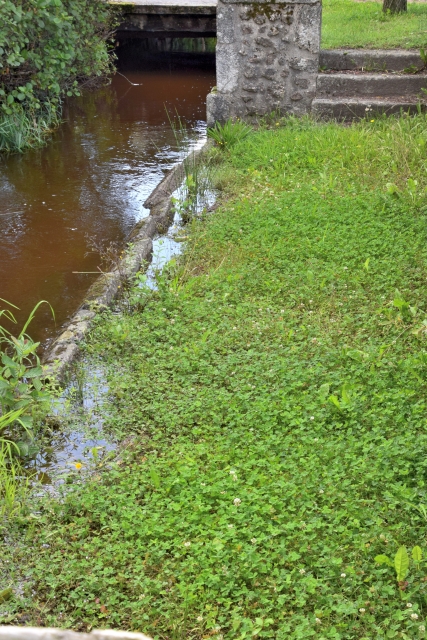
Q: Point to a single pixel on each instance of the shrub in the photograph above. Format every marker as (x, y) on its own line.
(48, 48)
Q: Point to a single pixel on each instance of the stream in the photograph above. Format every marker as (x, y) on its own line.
(63, 205)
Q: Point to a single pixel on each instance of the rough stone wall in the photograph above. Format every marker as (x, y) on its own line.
(267, 58)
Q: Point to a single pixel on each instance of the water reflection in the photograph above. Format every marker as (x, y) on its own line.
(88, 185)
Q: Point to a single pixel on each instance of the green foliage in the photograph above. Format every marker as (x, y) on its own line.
(346, 23)
(401, 567)
(48, 48)
(21, 385)
(247, 504)
(230, 133)
(22, 130)
(22, 396)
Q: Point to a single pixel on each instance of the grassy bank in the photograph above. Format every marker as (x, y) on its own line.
(348, 23)
(275, 389)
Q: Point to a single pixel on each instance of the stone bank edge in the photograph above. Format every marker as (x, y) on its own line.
(44, 633)
(136, 257)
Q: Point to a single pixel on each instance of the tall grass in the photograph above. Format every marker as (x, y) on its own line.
(24, 130)
(230, 133)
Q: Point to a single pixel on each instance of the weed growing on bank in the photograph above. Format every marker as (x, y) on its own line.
(24, 400)
(354, 23)
(274, 389)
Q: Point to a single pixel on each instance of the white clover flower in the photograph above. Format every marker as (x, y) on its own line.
(199, 618)
(421, 628)
(230, 526)
(318, 621)
(237, 501)
(362, 610)
(409, 605)
(253, 540)
(302, 571)
(343, 575)
(321, 491)
(311, 417)
(187, 544)
(414, 616)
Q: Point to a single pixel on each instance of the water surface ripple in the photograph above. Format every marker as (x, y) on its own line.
(88, 185)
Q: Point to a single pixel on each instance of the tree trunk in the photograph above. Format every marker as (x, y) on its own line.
(395, 6)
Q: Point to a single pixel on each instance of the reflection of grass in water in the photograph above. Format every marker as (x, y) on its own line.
(13, 486)
(195, 192)
(78, 440)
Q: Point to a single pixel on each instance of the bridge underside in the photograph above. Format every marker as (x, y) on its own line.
(167, 20)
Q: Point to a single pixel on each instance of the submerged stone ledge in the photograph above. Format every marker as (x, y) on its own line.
(137, 256)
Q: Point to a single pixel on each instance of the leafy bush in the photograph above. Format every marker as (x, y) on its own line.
(48, 48)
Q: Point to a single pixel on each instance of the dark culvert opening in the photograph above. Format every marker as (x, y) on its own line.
(136, 53)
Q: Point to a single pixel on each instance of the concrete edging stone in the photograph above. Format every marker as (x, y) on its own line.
(370, 59)
(45, 633)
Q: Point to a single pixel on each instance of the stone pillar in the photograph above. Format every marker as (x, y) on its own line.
(267, 58)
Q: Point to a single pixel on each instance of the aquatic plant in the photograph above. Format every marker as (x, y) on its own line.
(25, 129)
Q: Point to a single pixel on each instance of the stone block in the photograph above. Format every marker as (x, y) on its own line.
(45, 633)
(267, 58)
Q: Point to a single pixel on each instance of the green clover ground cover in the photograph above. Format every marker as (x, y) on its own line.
(275, 388)
(350, 23)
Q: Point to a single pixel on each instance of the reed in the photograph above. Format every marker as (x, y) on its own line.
(24, 130)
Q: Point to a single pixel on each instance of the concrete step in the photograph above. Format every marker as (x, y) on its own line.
(370, 60)
(330, 85)
(345, 108)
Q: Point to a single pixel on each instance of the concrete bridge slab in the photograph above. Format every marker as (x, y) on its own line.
(167, 18)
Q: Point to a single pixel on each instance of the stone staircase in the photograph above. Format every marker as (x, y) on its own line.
(356, 83)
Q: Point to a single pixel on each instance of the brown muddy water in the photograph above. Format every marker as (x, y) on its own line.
(86, 188)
